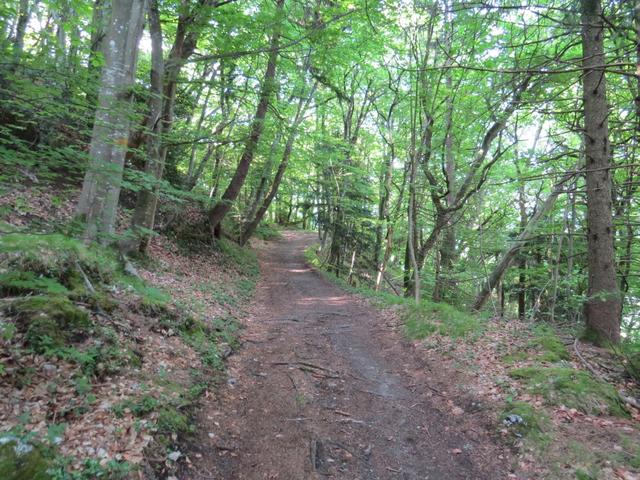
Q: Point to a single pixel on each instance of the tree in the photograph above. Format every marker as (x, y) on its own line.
(219, 211)
(101, 187)
(144, 215)
(602, 307)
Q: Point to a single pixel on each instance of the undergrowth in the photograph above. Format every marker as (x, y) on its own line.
(420, 320)
(571, 388)
(54, 294)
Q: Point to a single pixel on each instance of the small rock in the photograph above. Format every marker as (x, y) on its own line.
(457, 411)
(7, 439)
(513, 419)
(174, 456)
(225, 350)
(102, 453)
(232, 381)
(49, 370)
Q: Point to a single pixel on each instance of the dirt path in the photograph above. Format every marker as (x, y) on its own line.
(325, 387)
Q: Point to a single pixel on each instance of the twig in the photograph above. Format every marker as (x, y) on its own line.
(352, 420)
(85, 278)
(627, 399)
(585, 363)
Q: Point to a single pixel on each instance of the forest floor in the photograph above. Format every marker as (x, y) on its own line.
(327, 380)
(326, 386)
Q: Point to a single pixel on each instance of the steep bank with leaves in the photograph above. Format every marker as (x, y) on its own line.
(102, 370)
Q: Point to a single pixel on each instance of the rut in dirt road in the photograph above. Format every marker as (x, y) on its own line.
(325, 387)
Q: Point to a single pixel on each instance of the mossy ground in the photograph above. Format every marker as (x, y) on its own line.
(21, 461)
(536, 426)
(53, 312)
(572, 388)
(50, 321)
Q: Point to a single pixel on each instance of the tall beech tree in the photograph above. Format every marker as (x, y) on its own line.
(101, 187)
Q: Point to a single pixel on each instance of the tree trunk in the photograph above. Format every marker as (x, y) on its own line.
(21, 28)
(220, 210)
(144, 214)
(101, 187)
(444, 283)
(411, 244)
(602, 307)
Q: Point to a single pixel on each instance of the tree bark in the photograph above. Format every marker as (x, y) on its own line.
(21, 28)
(602, 308)
(144, 214)
(101, 187)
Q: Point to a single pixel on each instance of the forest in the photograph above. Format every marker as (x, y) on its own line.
(468, 167)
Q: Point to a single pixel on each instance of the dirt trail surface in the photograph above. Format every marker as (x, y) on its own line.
(325, 387)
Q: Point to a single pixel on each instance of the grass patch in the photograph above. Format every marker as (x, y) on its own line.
(242, 259)
(547, 342)
(572, 388)
(267, 231)
(535, 426)
(430, 317)
(18, 283)
(50, 321)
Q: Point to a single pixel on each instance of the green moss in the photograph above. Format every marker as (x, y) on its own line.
(20, 461)
(548, 343)
(49, 320)
(56, 256)
(17, 282)
(535, 426)
(429, 317)
(572, 388)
